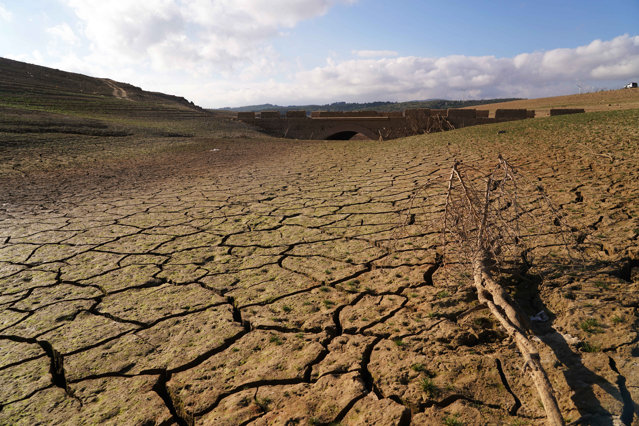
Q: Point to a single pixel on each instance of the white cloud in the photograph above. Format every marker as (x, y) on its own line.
(197, 36)
(536, 74)
(461, 77)
(5, 15)
(219, 53)
(64, 33)
(375, 53)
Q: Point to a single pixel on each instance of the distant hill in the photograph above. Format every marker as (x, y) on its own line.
(372, 106)
(34, 87)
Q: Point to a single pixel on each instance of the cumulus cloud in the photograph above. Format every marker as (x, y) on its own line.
(220, 53)
(64, 33)
(5, 15)
(527, 75)
(198, 36)
(609, 63)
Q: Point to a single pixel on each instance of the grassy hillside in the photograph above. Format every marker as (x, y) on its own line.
(57, 112)
(611, 100)
(36, 99)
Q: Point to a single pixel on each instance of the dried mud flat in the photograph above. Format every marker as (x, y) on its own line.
(254, 281)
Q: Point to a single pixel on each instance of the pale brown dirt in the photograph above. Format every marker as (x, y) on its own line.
(260, 281)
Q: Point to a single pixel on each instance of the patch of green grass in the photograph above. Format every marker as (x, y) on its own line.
(328, 303)
(287, 308)
(426, 384)
(590, 325)
(353, 286)
(276, 339)
(591, 348)
(442, 294)
(618, 319)
(399, 342)
(263, 403)
(418, 367)
(453, 420)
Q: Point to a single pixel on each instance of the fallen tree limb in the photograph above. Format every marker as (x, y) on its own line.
(493, 295)
(477, 221)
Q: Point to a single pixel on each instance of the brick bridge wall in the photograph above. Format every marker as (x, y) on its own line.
(372, 124)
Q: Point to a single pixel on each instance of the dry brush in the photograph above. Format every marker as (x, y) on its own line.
(491, 220)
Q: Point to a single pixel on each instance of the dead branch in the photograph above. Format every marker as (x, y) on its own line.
(422, 122)
(493, 295)
(484, 231)
(600, 154)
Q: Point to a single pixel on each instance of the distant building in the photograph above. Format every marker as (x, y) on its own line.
(632, 85)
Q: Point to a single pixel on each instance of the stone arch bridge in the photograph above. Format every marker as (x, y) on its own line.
(321, 125)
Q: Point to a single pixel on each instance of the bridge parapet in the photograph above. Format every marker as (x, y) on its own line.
(242, 116)
(270, 115)
(347, 114)
(511, 114)
(373, 124)
(461, 117)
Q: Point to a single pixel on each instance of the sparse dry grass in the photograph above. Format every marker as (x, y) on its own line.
(610, 100)
(208, 274)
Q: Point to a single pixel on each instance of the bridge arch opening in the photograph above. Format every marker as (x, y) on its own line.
(346, 131)
(347, 135)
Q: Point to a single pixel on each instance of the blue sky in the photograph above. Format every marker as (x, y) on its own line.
(441, 28)
(238, 52)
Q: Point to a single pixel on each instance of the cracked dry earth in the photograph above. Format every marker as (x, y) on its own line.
(268, 282)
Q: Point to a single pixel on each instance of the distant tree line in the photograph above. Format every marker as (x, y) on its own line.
(372, 106)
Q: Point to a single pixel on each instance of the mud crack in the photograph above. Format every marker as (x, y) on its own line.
(517, 405)
(175, 407)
